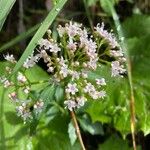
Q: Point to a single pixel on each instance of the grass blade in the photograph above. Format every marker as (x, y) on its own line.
(39, 34)
(20, 37)
(5, 7)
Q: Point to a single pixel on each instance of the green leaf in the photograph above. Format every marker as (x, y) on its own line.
(59, 94)
(39, 34)
(92, 128)
(47, 95)
(54, 136)
(136, 26)
(115, 143)
(72, 133)
(5, 7)
(36, 73)
(13, 133)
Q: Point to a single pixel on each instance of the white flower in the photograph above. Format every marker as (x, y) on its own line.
(23, 111)
(83, 33)
(70, 104)
(45, 56)
(64, 71)
(100, 81)
(98, 94)
(71, 45)
(73, 29)
(44, 43)
(50, 69)
(31, 61)
(38, 106)
(89, 88)
(118, 53)
(80, 101)
(21, 78)
(94, 94)
(106, 35)
(92, 63)
(5, 82)
(10, 58)
(26, 90)
(74, 74)
(54, 48)
(117, 69)
(72, 88)
(61, 30)
(61, 61)
(102, 94)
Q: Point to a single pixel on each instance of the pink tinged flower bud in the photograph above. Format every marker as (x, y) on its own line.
(26, 90)
(50, 69)
(7, 83)
(8, 69)
(38, 106)
(13, 96)
(21, 78)
(76, 63)
(85, 64)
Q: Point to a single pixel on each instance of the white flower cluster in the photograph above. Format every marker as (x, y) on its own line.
(70, 59)
(74, 56)
(24, 108)
(24, 111)
(108, 36)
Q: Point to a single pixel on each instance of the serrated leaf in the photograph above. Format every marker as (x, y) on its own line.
(55, 136)
(72, 133)
(47, 95)
(59, 94)
(13, 133)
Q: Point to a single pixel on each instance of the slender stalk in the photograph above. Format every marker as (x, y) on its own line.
(124, 47)
(77, 129)
(132, 107)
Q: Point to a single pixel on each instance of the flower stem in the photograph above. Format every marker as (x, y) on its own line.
(77, 129)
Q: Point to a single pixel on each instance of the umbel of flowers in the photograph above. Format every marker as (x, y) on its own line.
(69, 59)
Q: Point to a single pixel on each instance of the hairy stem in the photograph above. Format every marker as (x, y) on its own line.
(77, 129)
